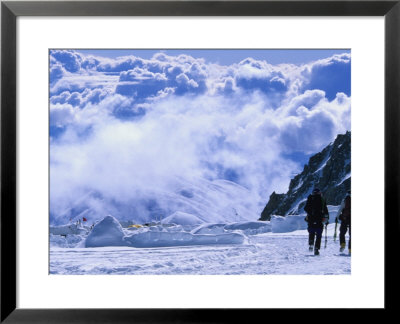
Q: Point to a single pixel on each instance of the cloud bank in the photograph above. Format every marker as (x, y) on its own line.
(130, 135)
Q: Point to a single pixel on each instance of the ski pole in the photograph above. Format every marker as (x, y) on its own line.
(335, 234)
(326, 235)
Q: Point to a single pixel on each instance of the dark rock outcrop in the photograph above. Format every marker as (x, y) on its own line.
(329, 170)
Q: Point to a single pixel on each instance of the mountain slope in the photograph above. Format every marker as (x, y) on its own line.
(209, 201)
(329, 170)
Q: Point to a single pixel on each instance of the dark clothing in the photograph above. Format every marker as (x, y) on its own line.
(345, 216)
(345, 219)
(343, 231)
(316, 209)
(315, 231)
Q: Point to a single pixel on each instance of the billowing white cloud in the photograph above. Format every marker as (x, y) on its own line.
(61, 115)
(131, 131)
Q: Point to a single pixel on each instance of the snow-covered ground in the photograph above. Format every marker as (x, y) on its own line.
(276, 247)
(265, 254)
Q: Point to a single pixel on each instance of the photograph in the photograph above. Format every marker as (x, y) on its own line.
(191, 161)
(171, 161)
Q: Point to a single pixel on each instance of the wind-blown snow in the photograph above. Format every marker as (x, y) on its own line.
(182, 219)
(134, 137)
(207, 200)
(209, 229)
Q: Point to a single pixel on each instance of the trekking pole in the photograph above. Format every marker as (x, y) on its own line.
(326, 235)
(335, 234)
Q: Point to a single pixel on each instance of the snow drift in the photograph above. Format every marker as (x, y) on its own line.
(250, 228)
(109, 232)
(290, 223)
(247, 228)
(166, 239)
(178, 229)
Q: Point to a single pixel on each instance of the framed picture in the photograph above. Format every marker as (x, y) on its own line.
(194, 159)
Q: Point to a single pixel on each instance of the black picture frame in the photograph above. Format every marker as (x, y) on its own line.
(10, 10)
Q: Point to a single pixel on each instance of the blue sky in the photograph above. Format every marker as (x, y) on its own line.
(228, 57)
(132, 122)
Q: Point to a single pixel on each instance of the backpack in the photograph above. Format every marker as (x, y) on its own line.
(315, 208)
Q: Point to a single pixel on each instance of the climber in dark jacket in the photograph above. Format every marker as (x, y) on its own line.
(317, 216)
(344, 215)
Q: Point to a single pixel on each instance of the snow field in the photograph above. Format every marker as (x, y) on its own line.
(276, 247)
(263, 254)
